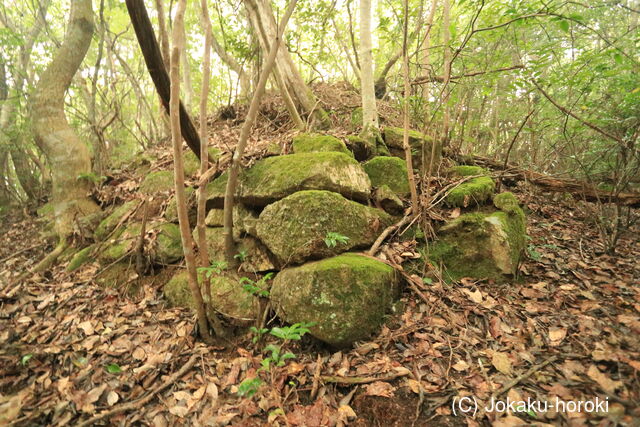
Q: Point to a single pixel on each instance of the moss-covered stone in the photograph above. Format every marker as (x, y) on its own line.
(80, 258)
(192, 163)
(274, 178)
(346, 296)
(168, 244)
(110, 222)
(421, 146)
(244, 220)
(361, 148)
(473, 192)
(356, 117)
(314, 143)
(121, 247)
(229, 296)
(389, 171)
(254, 257)
(484, 245)
(45, 210)
(465, 170)
(295, 227)
(171, 212)
(157, 182)
(388, 200)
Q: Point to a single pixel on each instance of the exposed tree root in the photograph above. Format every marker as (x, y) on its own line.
(46, 261)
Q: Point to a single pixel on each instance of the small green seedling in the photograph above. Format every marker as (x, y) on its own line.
(25, 359)
(293, 332)
(241, 256)
(215, 268)
(249, 387)
(113, 368)
(256, 288)
(257, 333)
(332, 239)
(276, 358)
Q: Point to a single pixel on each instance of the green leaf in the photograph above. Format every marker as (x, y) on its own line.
(564, 25)
(617, 57)
(25, 359)
(113, 368)
(249, 387)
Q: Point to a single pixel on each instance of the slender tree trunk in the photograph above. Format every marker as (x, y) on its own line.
(263, 22)
(447, 71)
(186, 77)
(370, 127)
(164, 48)
(176, 138)
(407, 93)
(234, 170)
(68, 155)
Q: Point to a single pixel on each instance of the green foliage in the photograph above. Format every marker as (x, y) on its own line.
(113, 368)
(258, 333)
(216, 268)
(249, 387)
(241, 256)
(25, 359)
(332, 239)
(257, 288)
(92, 178)
(293, 332)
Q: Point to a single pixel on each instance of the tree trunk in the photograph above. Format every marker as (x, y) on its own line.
(157, 70)
(183, 217)
(264, 25)
(68, 155)
(447, 72)
(370, 127)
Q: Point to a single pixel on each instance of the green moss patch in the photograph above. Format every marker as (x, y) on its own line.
(346, 296)
(313, 142)
(294, 228)
(421, 146)
(229, 296)
(80, 258)
(473, 192)
(157, 182)
(192, 163)
(389, 171)
(274, 178)
(168, 244)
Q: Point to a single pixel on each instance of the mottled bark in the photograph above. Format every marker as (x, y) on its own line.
(67, 154)
(370, 127)
(264, 25)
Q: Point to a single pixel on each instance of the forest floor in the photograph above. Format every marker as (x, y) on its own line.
(70, 350)
(569, 328)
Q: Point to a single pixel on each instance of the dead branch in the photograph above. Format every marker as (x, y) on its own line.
(430, 78)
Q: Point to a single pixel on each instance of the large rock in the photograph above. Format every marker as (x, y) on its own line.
(167, 247)
(157, 182)
(421, 146)
(472, 192)
(483, 245)
(253, 256)
(244, 220)
(111, 222)
(274, 178)
(389, 171)
(229, 296)
(121, 246)
(171, 211)
(346, 296)
(294, 228)
(317, 143)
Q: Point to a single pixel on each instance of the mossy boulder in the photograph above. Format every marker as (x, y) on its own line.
(253, 255)
(80, 258)
(120, 247)
(346, 296)
(171, 211)
(46, 210)
(472, 192)
(361, 148)
(157, 182)
(483, 245)
(294, 228)
(389, 171)
(167, 247)
(192, 163)
(229, 296)
(388, 200)
(421, 146)
(274, 178)
(317, 143)
(244, 220)
(110, 222)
